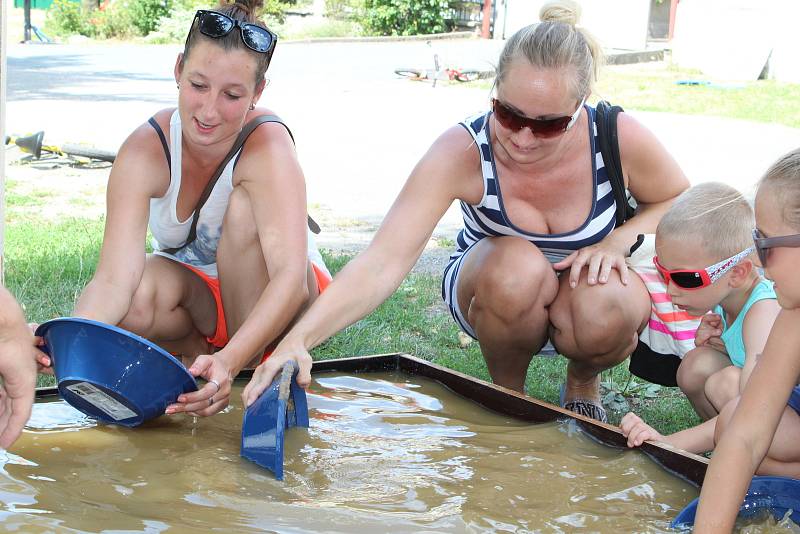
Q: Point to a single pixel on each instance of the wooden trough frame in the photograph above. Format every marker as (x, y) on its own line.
(499, 399)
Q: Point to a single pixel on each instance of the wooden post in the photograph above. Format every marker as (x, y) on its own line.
(3, 76)
(486, 19)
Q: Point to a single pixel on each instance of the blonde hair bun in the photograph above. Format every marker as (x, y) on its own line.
(566, 11)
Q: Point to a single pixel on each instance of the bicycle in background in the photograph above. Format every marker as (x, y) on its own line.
(440, 72)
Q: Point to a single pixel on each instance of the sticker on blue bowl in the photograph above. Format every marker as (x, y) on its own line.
(115, 410)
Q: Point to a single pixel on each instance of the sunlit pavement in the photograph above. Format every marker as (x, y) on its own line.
(359, 129)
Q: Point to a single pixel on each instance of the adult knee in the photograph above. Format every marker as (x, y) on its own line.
(597, 321)
(512, 290)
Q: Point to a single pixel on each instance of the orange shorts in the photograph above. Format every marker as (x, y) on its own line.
(220, 337)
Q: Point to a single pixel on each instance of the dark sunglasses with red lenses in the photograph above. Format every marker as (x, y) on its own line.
(217, 25)
(700, 278)
(763, 244)
(508, 118)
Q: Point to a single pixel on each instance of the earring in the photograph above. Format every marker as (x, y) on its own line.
(252, 106)
(178, 85)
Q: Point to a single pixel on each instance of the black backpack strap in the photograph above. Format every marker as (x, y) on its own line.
(609, 147)
(237, 145)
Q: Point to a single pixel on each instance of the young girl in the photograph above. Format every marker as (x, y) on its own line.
(760, 431)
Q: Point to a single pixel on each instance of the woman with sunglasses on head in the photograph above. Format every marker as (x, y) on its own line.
(229, 274)
(539, 256)
(759, 432)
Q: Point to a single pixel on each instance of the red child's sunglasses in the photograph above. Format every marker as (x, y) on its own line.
(700, 278)
(508, 118)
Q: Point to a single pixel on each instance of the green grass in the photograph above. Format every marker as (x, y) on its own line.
(653, 87)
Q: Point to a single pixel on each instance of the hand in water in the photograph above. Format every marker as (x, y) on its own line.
(267, 371)
(214, 396)
(18, 358)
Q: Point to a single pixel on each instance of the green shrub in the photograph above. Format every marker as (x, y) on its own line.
(173, 29)
(406, 17)
(274, 11)
(114, 22)
(67, 18)
(144, 14)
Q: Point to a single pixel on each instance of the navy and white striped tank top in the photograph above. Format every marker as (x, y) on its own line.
(489, 218)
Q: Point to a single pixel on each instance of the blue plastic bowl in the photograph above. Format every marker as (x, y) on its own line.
(111, 374)
(774, 494)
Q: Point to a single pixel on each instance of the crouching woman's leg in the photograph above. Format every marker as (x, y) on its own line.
(596, 327)
(173, 307)
(244, 276)
(503, 288)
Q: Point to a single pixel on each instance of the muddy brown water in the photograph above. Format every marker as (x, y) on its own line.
(386, 452)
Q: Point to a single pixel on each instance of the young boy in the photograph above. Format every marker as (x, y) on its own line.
(704, 250)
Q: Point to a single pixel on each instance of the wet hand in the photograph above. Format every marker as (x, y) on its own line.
(637, 431)
(44, 364)
(599, 259)
(265, 373)
(212, 397)
(18, 357)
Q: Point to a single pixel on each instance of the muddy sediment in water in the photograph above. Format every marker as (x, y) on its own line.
(386, 452)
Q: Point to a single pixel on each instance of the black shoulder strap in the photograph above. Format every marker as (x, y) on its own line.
(160, 132)
(609, 148)
(237, 145)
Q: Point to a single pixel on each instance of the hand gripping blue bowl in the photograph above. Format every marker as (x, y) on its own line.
(282, 405)
(111, 374)
(777, 495)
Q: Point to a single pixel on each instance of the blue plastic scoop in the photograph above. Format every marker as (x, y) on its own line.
(282, 405)
(777, 495)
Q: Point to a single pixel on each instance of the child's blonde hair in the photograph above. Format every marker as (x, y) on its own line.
(716, 213)
(783, 181)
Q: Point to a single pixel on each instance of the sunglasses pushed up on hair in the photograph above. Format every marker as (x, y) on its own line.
(217, 25)
(700, 278)
(508, 118)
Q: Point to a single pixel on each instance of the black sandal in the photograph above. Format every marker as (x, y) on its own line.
(585, 407)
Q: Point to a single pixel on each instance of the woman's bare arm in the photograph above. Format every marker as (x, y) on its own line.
(744, 444)
(138, 174)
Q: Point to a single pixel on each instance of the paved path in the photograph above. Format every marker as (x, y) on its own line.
(359, 129)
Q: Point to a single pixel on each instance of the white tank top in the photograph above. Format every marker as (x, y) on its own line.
(169, 232)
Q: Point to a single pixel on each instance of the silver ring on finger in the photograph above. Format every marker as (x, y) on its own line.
(212, 381)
